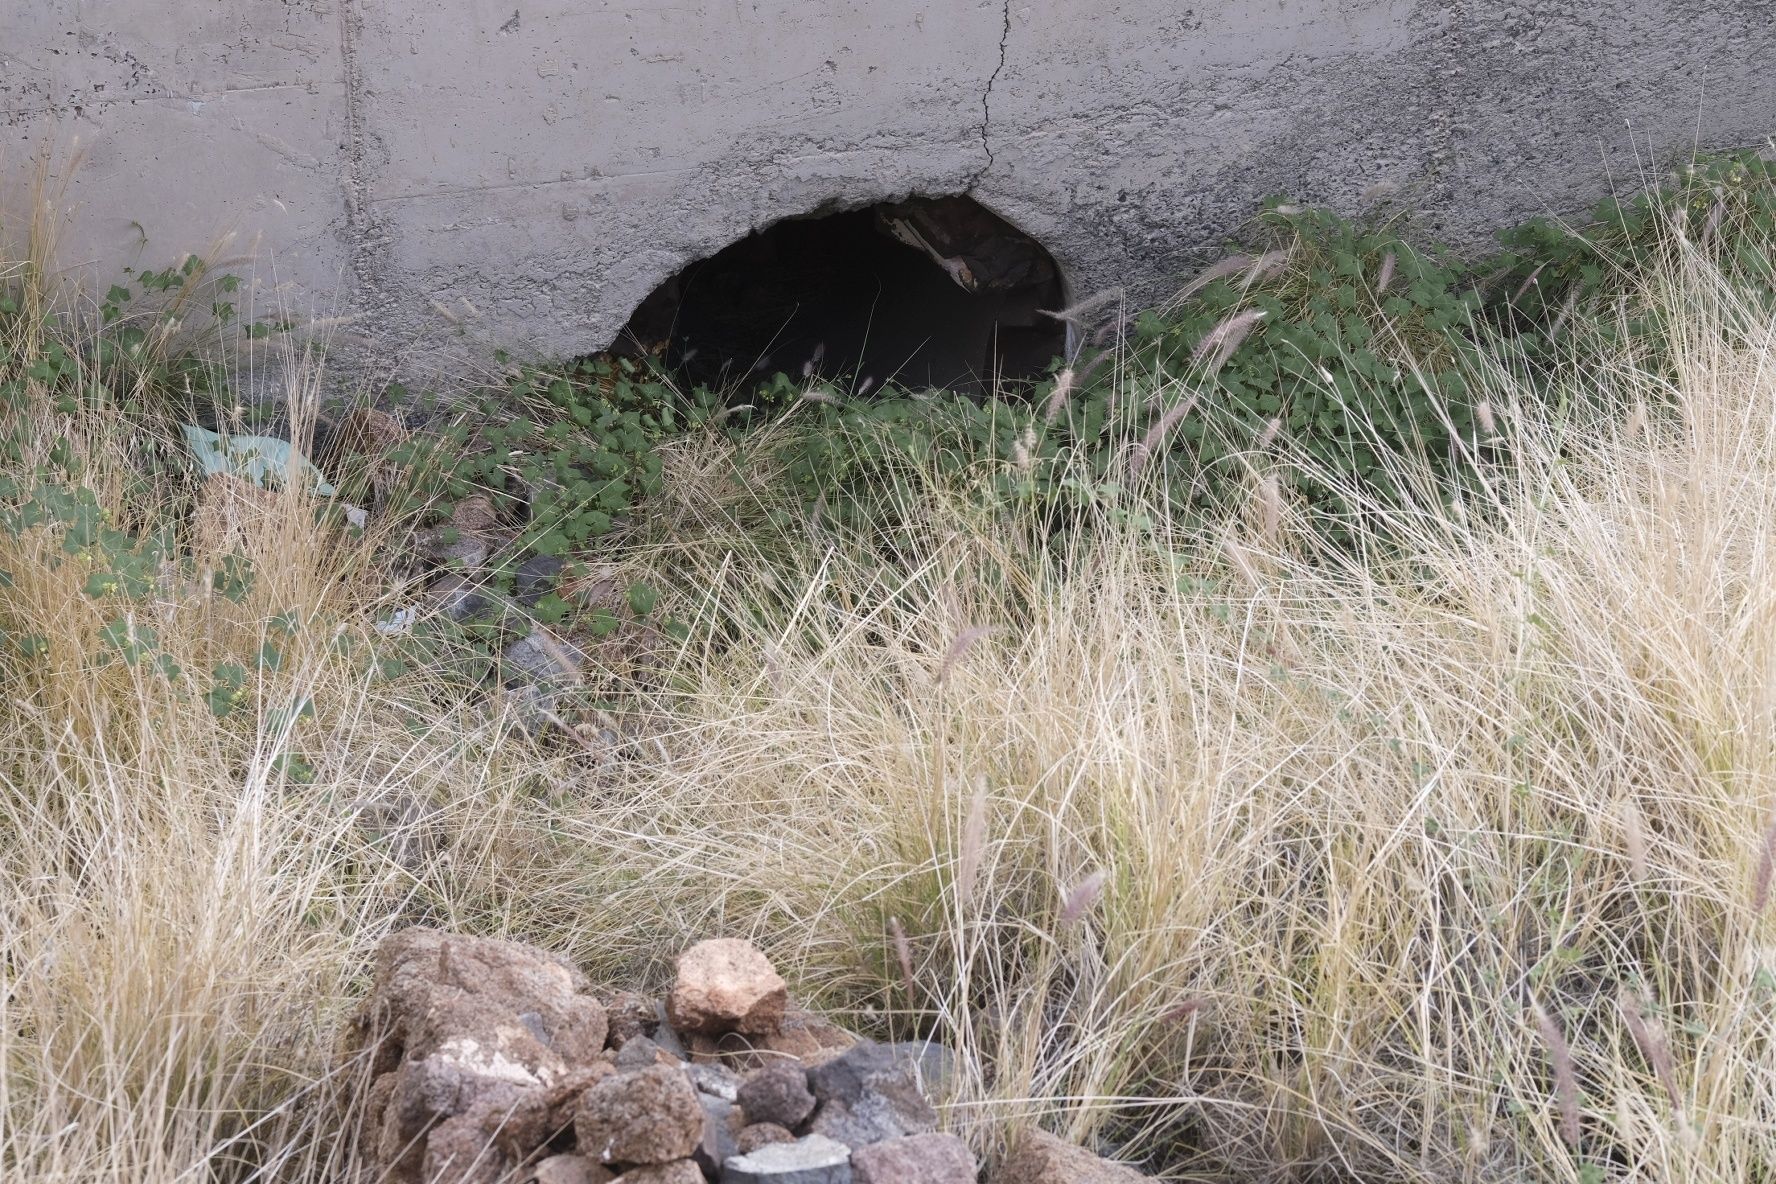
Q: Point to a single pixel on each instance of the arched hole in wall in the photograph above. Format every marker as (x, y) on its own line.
(928, 292)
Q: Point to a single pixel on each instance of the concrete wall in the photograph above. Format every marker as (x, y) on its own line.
(546, 163)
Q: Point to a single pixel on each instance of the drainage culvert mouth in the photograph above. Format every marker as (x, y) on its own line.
(929, 292)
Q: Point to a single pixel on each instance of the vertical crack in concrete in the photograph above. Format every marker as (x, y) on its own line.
(356, 184)
(366, 242)
(987, 101)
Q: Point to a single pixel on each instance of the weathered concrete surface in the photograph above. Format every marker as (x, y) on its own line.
(211, 128)
(522, 173)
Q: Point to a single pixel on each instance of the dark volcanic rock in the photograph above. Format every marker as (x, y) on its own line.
(777, 1093)
(867, 1094)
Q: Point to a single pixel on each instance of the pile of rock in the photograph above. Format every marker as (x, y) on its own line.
(493, 1063)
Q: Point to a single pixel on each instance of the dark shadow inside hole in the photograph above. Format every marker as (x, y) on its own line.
(930, 292)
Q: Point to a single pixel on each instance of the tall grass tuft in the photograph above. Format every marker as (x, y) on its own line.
(1350, 825)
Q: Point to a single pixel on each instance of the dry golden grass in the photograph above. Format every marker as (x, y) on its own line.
(1257, 862)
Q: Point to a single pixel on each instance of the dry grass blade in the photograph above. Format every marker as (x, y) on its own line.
(1712, 225)
(1634, 840)
(958, 650)
(1651, 1042)
(974, 842)
(1566, 310)
(1063, 390)
(1219, 343)
(1081, 897)
(1162, 427)
(1566, 1082)
(1268, 497)
(1386, 275)
(903, 956)
(1530, 281)
(1253, 269)
(1232, 265)
(1766, 867)
(1484, 417)
(1075, 314)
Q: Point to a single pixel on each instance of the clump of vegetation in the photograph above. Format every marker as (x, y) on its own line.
(1554, 281)
(546, 470)
(1267, 858)
(567, 451)
(1318, 335)
(1434, 850)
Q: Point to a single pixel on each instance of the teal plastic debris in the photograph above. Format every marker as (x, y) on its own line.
(257, 458)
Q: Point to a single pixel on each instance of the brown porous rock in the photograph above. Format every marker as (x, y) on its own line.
(433, 989)
(726, 985)
(760, 1133)
(915, 1159)
(679, 1171)
(650, 1116)
(631, 1014)
(568, 1169)
(1038, 1157)
(493, 1033)
(806, 1037)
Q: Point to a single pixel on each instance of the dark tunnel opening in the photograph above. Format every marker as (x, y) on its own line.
(929, 292)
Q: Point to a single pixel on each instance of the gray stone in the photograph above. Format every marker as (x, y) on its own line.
(722, 1122)
(536, 577)
(638, 1052)
(457, 549)
(460, 598)
(666, 1036)
(716, 1080)
(808, 1160)
(844, 1077)
(540, 656)
(870, 1119)
(869, 1093)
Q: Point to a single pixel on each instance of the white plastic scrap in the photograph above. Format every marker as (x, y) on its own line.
(400, 622)
(257, 458)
